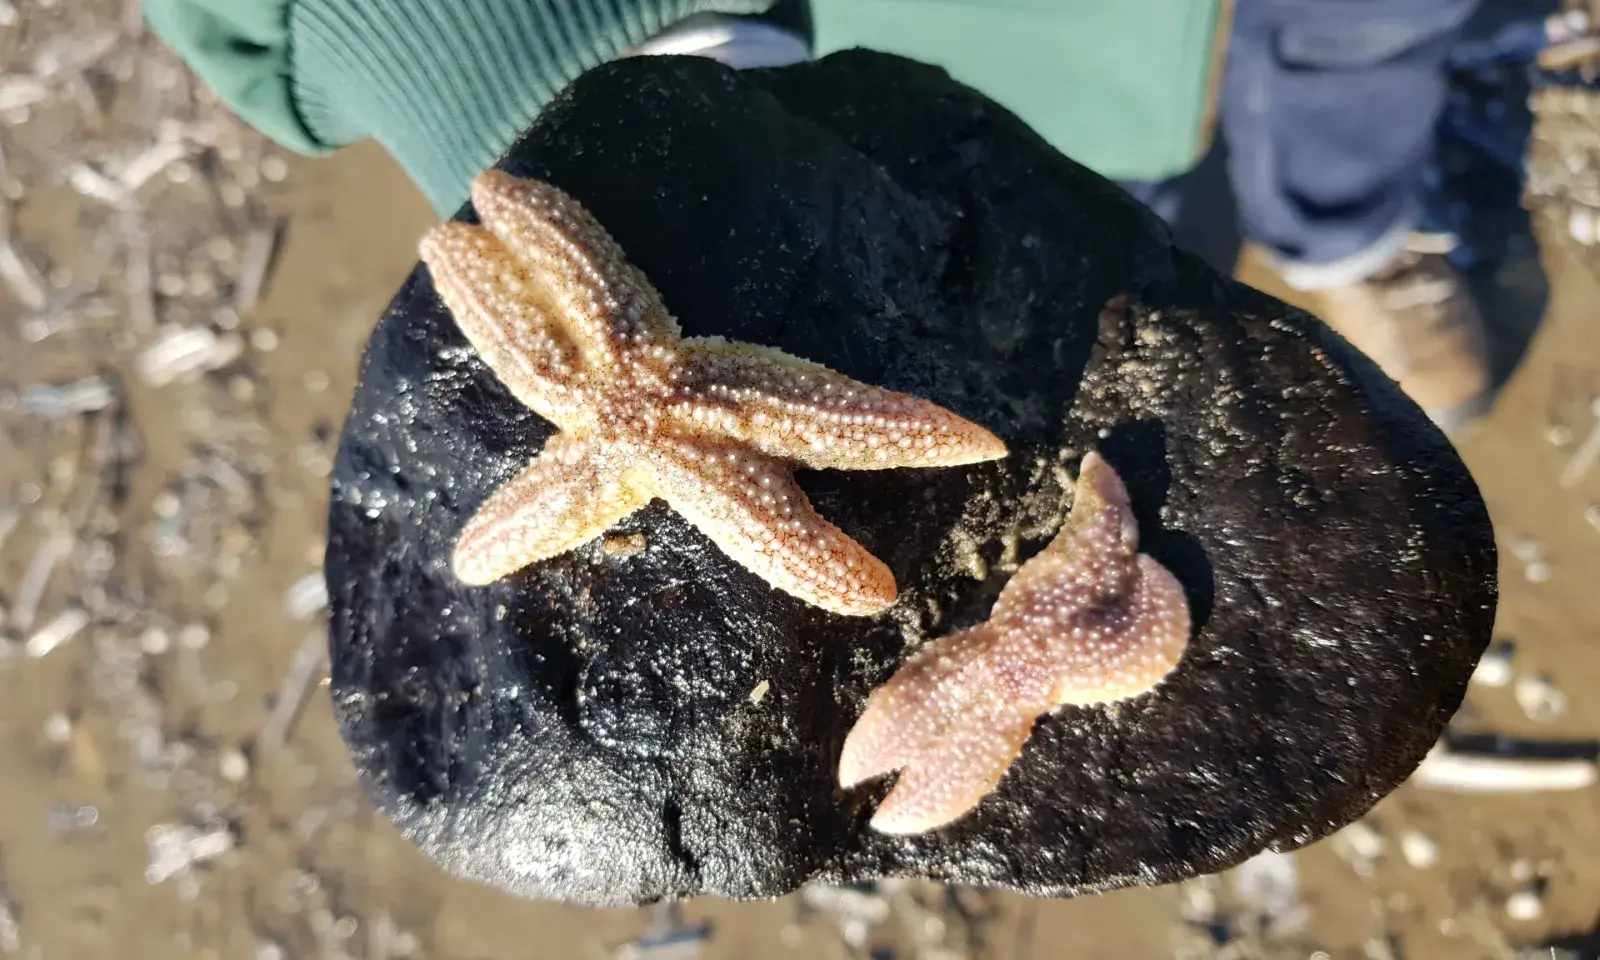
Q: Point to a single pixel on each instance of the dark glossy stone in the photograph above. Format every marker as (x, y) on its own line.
(585, 730)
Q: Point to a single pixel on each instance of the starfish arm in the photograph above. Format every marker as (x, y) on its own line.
(951, 720)
(752, 509)
(1101, 520)
(605, 299)
(803, 412)
(952, 774)
(1091, 561)
(490, 296)
(922, 699)
(1084, 621)
(561, 500)
(1131, 649)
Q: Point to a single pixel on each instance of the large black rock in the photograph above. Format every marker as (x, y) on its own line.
(586, 731)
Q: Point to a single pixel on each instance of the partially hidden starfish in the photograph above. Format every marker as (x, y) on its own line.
(714, 427)
(1087, 620)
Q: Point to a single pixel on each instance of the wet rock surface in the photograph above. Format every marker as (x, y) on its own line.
(643, 719)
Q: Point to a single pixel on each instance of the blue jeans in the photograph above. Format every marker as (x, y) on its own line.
(1327, 114)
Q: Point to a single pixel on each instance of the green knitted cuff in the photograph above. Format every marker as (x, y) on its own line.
(447, 85)
(240, 48)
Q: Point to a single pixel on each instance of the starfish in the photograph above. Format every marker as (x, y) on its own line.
(714, 427)
(1087, 620)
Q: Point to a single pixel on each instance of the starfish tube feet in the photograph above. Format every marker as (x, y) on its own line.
(805, 413)
(1087, 620)
(559, 501)
(942, 720)
(716, 428)
(490, 297)
(765, 523)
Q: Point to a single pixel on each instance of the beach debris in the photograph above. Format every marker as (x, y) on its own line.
(66, 54)
(22, 278)
(310, 663)
(1495, 669)
(1553, 953)
(129, 200)
(59, 630)
(856, 909)
(1571, 46)
(57, 400)
(1446, 769)
(895, 918)
(269, 950)
(233, 766)
(150, 162)
(180, 352)
(1360, 845)
(36, 578)
(668, 937)
(1539, 698)
(1583, 225)
(57, 728)
(91, 182)
(255, 265)
(1530, 553)
(306, 597)
(1525, 905)
(10, 929)
(1418, 849)
(10, 516)
(1268, 884)
(1562, 182)
(175, 848)
(18, 91)
(1587, 454)
(70, 818)
(386, 941)
(331, 931)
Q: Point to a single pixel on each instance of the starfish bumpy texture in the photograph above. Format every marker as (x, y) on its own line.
(1087, 620)
(714, 427)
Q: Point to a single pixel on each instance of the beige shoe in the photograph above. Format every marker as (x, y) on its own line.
(1417, 320)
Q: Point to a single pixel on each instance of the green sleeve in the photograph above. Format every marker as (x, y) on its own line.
(1121, 86)
(241, 50)
(444, 85)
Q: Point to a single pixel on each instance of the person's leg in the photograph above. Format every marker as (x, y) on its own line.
(1329, 110)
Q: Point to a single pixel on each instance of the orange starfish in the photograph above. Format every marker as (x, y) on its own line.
(1087, 620)
(713, 427)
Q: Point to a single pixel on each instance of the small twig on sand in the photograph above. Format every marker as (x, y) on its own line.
(1587, 453)
(304, 670)
(36, 578)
